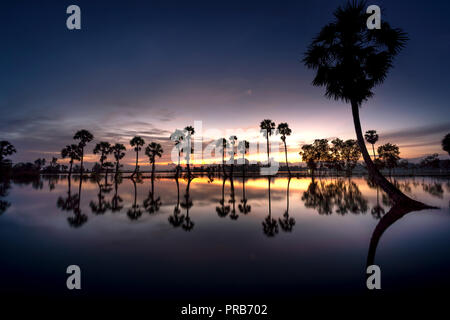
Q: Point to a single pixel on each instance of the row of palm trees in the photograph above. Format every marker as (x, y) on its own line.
(75, 152)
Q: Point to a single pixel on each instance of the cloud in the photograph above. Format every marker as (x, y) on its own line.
(418, 132)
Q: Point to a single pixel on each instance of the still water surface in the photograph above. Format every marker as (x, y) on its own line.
(261, 237)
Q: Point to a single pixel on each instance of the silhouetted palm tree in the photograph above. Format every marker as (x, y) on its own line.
(267, 126)
(222, 144)
(372, 138)
(137, 142)
(84, 138)
(178, 137)
(119, 152)
(104, 149)
(284, 130)
(189, 133)
(287, 223)
(73, 152)
(152, 151)
(6, 149)
(232, 153)
(243, 147)
(446, 143)
(350, 61)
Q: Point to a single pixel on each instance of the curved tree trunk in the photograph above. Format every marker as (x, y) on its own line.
(395, 194)
(268, 152)
(285, 154)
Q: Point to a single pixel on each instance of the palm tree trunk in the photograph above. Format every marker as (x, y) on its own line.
(153, 169)
(136, 167)
(70, 169)
(285, 154)
(268, 152)
(395, 194)
(373, 149)
(82, 157)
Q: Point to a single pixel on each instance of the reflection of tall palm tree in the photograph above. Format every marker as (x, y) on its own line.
(377, 211)
(135, 211)
(151, 204)
(270, 225)
(223, 210)
(351, 60)
(287, 223)
(243, 206)
(5, 185)
(79, 218)
(187, 203)
(394, 214)
(101, 206)
(176, 219)
(116, 199)
(68, 203)
(232, 200)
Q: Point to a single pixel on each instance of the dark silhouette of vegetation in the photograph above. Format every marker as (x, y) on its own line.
(118, 151)
(446, 143)
(232, 153)
(233, 215)
(388, 156)
(6, 149)
(243, 147)
(244, 207)
(284, 130)
(222, 144)
(189, 133)
(223, 210)
(371, 137)
(73, 152)
(116, 199)
(137, 142)
(84, 138)
(152, 151)
(151, 204)
(177, 219)
(5, 185)
(135, 211)
(267, 127)
(187, 203)
(104, 149)
(431, 161)
(351, 60)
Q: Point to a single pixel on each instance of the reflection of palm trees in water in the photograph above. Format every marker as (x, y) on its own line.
(232, 200)
(79, 218)
(270, 225)
(223, 210)
(377, 211)
(5, 185)
(151, 204)
(116, 199)
(101, 206)
(176, 219)
(287, 223)
(340, 196)
(67, 203)
(243, 206)
(187, 203)
(135, 211)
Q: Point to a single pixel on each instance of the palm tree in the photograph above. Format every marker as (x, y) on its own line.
(284, 130)
(233, 140)
(72, 152)
(6, 149)
(85, 137)
(243, 147)
(267, 126)
(103, 148)
(371, 137)
(152, 151)
(446, 143)
(350, 61)
(222, 144)
(119, 152)
(137, 142)
(178, 137)
(189, 133)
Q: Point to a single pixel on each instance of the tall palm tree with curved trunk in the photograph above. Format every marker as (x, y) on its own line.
(137, 142)
(267, 126)
(152, 151)
(284, 130)
(84, 138)
(371, 137)
(350, 61)
(72, 152)
(189, 133)
(119, 152)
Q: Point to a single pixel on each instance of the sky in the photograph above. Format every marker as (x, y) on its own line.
(149, 67)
